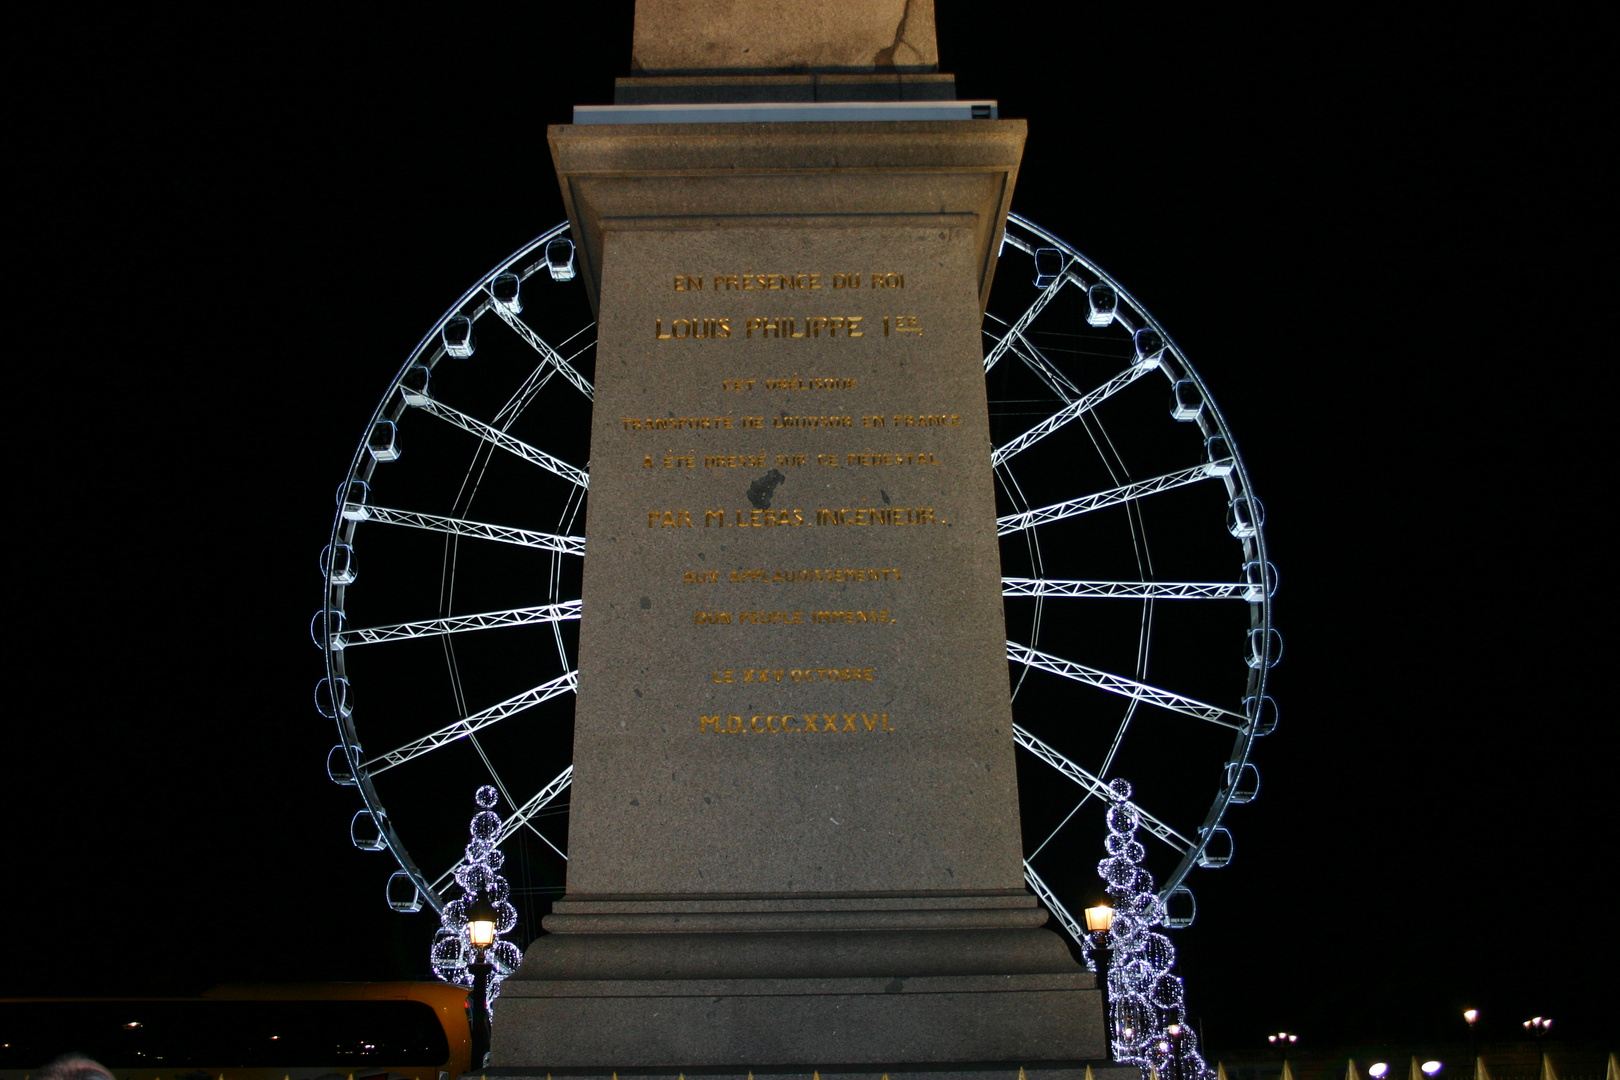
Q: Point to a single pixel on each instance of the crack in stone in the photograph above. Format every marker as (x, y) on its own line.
(885, 57)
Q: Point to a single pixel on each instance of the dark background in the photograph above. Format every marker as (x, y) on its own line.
(1366, 227)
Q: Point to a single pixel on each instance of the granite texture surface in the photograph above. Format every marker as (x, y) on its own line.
(901, 781)
(718, 36)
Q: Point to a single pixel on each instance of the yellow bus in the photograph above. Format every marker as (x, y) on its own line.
(316, 1031)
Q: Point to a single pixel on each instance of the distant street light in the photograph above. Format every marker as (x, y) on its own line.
(481, 919)
(1472, 1016)
(1539, 1028)
(1099, 921)
(1430, 1067)
(1282, 1038)
(1379, 1070)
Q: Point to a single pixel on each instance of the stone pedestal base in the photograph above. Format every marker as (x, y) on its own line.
(974, 1070)
(941, 982)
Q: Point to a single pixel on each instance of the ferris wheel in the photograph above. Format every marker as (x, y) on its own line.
(1137, 589)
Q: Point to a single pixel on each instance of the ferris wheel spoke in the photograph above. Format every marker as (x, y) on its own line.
(1046, 896)
(1046, 371)
(1070, 412)
(1133, 590)
(1023, 321)
(1113, 497)
(518, 819)
(547, 353)
(457, 624)
(1119, 684)
(499, 438)
(1094, 786)
(565, 545)
(563, 684)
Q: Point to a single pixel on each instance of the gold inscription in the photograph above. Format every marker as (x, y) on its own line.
(813, 327)
(870, 458)
(853, 617)
(874, 515)
(748, 675)
(764, 282)
(685, 329)
(791, 618)
(679, 423)
(796, 383)
(903, 324)
(771, 577)
(927, 420)
(796, 723)
(758, 519)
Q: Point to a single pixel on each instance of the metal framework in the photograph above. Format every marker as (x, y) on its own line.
(1063, 276)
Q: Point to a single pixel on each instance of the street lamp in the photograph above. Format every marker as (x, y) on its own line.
(1539, 1028)
(1099, 920)
(1282, 1038)
(1174, 1031)
(1472, 1016)
(481, 919)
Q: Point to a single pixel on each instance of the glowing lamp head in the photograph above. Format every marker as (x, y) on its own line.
(1430, 1068)
(1099, 918)
(1379, 1070)
(1173, 1029)
(1470, 1015)
(481, 917)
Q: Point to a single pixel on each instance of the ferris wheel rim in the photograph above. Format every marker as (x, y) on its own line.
(363, 465)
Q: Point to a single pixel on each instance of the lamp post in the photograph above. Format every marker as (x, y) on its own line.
(1472, 1017)
(1174, 1031)
(1539, 1028)
(481, 918)
(1099, 920)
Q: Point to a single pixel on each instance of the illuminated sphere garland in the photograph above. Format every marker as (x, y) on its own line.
(1147, 1007)
(452, 951)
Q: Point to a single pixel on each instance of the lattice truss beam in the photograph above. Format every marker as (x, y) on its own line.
(563, 684)
(547, 353)
(1044, 893)
(499, 438)
(1095, 787)
(1069, 413)
(1119, 684)
(485, 620)
(1045, 515)
(518, 819)
(1133, 590)
(566, 545)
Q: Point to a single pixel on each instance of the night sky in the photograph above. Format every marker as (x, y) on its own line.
(1366, 228)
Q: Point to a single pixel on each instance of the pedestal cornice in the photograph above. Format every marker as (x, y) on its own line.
(622, 175)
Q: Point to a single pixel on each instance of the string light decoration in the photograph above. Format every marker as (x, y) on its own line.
(1147, 1002)
(452, 951)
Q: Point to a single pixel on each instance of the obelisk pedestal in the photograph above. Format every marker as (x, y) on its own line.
(794, 839)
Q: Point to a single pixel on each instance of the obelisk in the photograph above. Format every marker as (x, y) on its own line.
(794, 840)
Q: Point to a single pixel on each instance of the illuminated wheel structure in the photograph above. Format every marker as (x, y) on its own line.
(451, 662)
